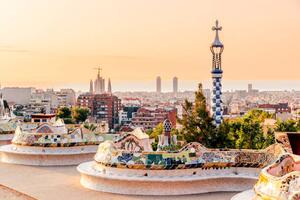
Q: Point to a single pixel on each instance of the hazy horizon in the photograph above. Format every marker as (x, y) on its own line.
(184, 85)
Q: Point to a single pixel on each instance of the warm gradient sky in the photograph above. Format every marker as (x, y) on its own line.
(56, 42)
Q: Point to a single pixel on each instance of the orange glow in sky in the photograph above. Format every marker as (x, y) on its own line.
(60, 41)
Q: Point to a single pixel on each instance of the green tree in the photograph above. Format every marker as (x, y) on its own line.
(247, 132)
(91, 127)
(158, 130)
(287, 126)
(153, 134)
(80, 114)
(64, 112)
(242, 133)
(222, 137)
(258, 115)
(69, 121)
(197, 125)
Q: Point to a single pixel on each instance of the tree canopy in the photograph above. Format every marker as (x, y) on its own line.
(197, 125)
(287, 126)
(80, 114)
(64, 112)
(242, 133)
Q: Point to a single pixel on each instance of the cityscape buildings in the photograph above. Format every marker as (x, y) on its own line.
(150, 117)
(17, 95)
(129, 108)
(103, 107)
(48, 101)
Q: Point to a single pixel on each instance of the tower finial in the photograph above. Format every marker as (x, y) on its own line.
(217, 28)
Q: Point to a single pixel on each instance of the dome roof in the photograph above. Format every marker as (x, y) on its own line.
(217, 42)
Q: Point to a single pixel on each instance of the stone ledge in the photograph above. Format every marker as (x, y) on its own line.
(6, 138)
(47, 156)
(159, 184)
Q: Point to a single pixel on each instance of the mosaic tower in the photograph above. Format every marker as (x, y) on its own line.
(217, 48)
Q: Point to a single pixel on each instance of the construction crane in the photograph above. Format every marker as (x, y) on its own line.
(99, 70)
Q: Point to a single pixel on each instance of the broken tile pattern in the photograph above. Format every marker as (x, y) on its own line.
(280, 180)
(193, 155)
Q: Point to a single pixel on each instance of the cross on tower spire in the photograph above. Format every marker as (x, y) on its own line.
(217, 28)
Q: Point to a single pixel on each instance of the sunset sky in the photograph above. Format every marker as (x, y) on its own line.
(59, 42)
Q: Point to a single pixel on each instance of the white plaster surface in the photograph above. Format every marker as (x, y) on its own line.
(47, 156)
(63, 183)
(6, 138)
(246, 195)
(165, 182)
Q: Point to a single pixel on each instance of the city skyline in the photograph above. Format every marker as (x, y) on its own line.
(135, 99)
(73, 41)
(183, 85)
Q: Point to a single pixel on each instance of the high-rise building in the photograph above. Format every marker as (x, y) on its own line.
(158, 84)
(86, 100)
(175, 85)
(103, 107)
(66, 97)
(217, 49)
(249, 88)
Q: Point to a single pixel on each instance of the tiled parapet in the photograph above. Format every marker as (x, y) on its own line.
(47, 135)
(283, 139)
(193, 155)
(280, 180)
(193, 169)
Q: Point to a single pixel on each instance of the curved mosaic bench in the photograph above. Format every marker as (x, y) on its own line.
(278, 181)
(51, 145)
(194, 169)
(281, 180)
(47, 156)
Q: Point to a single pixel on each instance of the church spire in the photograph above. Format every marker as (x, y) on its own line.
(109, 87)
(91, 87)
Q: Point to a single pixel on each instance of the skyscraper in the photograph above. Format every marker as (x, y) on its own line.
(158, 84)
(217, 48)
(175, 85)
(249, 88)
